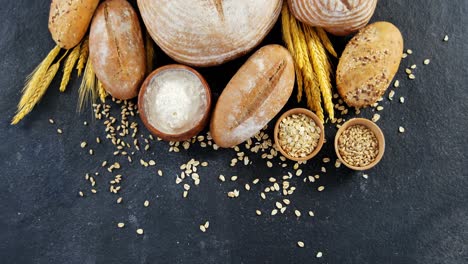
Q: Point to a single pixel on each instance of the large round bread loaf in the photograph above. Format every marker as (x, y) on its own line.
(208, 32)
(339, 17)
(116, 48)
(256, 93)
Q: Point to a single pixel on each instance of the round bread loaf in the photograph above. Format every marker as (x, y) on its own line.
(208, 32)
(339, 17)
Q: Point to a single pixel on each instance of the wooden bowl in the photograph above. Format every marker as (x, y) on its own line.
(193, 131)
(378, 134)
(316, 120)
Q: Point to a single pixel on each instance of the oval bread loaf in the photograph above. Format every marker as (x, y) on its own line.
(369, 63)
(116, 48)
(69, 20)
(256, 93)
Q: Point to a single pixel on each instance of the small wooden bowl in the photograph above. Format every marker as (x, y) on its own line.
(187, 134)
(377, 132)
(316, 120)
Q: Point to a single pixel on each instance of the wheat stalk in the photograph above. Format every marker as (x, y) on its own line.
(39, 91)
(87, 91)
(36, 76)
(326, 41)
(102, 92)
(149, 52)
(288, 40)
(84, 53)
(68, 67)
(33, 89)
(321, 67)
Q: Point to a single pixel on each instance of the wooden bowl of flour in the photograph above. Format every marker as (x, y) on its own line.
(174, 102)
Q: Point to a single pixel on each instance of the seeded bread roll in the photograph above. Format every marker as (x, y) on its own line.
(69, 20)
(369, 63)
(255, 94)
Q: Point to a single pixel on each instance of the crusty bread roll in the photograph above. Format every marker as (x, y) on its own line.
(339, 17)
(116, 48)
(369, 63)
(256, 93)
(208, 32)
(69, 20)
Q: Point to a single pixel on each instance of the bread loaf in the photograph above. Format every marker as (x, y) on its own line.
(116, 48)
(256, 93)
(69, 20)
(369, 63)
(339, 17)
(208, 32)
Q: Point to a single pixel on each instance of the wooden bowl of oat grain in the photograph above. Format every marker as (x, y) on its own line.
(299, 134)
(359, 144)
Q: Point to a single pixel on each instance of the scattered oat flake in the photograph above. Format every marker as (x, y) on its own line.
(402, 99)
(319, 254)
(321, 188)
(365, 176)
(311, 213)
(146, 203)
(401, 129)
(300, 244)
(221, 178)
(411, 77)
(396, 84)
(297, 213)
(274, 212)
(391, 94)
(202, 228)
(258, 212)
(427, 61)
(120, 225)
(446, 38)
(279, 205)
(409, 51)
(375, 118)
(51, 121)
(59, 131)
(139, 231)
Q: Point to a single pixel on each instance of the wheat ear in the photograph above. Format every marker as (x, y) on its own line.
(326, 41)
(68, 67)
(39, 88)
(321, 67)
(87, 91)
(102, 92)
(84, 53)
(33, 89)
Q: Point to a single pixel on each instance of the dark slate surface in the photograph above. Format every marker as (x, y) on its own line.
(412, 209)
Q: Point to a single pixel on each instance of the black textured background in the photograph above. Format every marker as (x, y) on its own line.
(413, 208)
